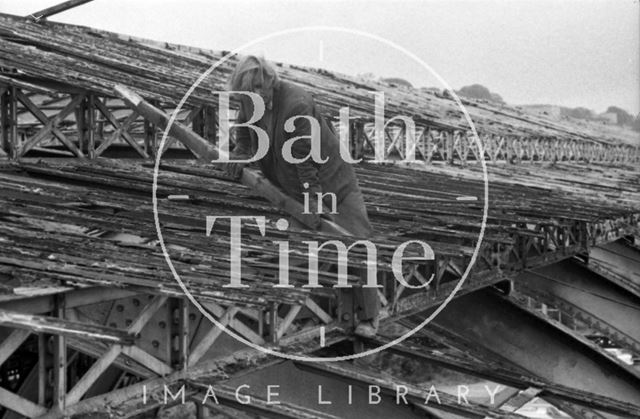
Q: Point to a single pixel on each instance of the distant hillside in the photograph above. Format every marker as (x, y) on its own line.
(396, 81)
(615, 121)
(612, 116)
(478, 91)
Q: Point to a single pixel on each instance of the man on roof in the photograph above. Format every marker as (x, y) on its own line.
(334, 178)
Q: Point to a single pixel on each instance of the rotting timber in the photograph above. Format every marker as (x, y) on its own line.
(91, 314)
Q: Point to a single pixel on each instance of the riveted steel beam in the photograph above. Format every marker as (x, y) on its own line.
(589, 297)
(546, 350)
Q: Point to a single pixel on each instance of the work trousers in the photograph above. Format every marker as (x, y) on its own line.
(352, 216)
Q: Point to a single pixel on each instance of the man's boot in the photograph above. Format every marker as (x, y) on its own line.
(368, 328)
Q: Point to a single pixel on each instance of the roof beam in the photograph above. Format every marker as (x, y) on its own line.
(20, 405)
(583, 294)
(490, 369)
(56, 326)
(544, 349)
(54, 10)
(75, 298)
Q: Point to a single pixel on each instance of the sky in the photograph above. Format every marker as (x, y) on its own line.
(562, 52)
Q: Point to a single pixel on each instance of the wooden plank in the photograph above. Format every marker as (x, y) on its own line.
(20, 405)
(60, 327)
(58, 8)
(11, 343)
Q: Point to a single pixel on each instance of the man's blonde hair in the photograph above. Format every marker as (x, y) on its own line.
(249, 70)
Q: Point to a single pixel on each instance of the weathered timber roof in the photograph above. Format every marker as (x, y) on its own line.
(67, 57)
(59, 216)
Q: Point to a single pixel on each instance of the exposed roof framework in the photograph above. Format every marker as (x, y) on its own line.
(80, 265)
(68, 58)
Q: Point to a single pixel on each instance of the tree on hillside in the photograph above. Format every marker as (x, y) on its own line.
(636, 124)
(624, 118)
(397, 81)
(478, 91)
(580, 113)
(367, 76)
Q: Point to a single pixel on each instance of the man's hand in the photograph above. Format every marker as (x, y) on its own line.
(234, 170)
(315, 221)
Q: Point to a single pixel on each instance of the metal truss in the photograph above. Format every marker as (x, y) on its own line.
(429, 144)
(588, 297)
(482, 365)
(158, 337)
(501, 328)
(460, 146)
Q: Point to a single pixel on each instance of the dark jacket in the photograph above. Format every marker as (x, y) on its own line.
(335, 175)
